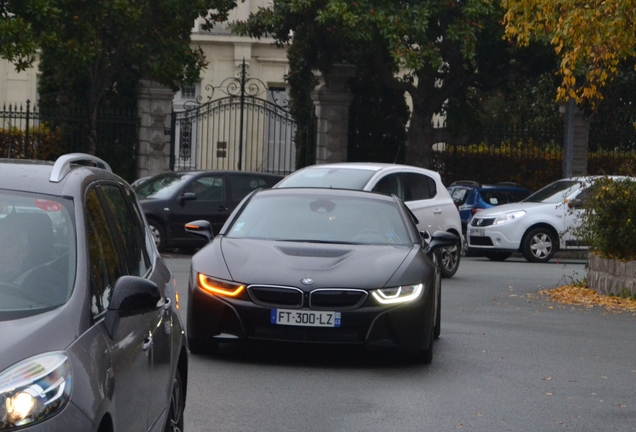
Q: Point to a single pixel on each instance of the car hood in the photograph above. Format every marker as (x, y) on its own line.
(35, 334)
(328, 265)
(508, 208)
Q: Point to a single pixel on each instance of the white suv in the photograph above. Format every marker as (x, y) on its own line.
(537, 227)
(421, 189)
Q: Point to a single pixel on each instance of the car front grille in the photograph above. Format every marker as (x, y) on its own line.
(333, 299)
(480, 241)
(482, 222)
(275, 296)
(336, 299)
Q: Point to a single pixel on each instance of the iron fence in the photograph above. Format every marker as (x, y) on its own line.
(28, 131)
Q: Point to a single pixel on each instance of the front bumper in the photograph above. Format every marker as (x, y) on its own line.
(496, 237)
(221, 319)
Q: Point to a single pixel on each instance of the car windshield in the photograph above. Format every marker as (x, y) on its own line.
(555, 192)
(161, 186)
(321, 219)
(337, 178)
(37, 251)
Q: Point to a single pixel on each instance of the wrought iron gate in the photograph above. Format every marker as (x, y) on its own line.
(245, 129)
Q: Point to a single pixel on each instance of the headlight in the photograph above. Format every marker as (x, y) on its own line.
(508, 217)
(34, 389)
(216, 286)
(401, 294)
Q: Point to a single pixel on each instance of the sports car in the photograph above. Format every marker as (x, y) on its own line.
(317, 266)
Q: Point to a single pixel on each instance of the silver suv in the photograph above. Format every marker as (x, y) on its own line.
(91, 336)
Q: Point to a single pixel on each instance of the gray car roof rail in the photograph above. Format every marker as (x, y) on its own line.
(62, 165)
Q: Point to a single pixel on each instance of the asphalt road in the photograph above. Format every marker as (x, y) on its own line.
(507, 360)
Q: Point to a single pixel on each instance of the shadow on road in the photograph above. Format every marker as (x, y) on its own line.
(314, 355)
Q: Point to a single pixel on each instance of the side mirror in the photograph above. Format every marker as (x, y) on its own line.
(200, 228)
(441, 239)
(188, 196)
(575, 203)
(131, 295)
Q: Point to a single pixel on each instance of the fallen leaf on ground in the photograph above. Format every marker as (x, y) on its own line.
(586, 297)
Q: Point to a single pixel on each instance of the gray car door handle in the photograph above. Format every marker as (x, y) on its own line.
(147, 343)
(437, 211)
(167, 304)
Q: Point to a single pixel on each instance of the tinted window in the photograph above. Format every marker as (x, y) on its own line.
(390, 185)
(208, 188)
(162, 186)
(241, 185)
(127, 229)
(104, 259)
(302, 218)
(419, 187)
(37, 251)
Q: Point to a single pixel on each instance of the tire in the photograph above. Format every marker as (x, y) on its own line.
(426, 355)
(449, 259)
(174, 422)
(538, 245)
(203, 347)
(498, 256)
(158, 234)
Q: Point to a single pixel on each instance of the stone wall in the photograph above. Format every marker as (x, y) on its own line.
(609, 276)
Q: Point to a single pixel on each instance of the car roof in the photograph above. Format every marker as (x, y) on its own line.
(370, 166)
(203, 172)
(51, 177)
(326, 191)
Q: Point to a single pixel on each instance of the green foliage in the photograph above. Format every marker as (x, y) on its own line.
(524, 162)
(92, 50)
(433, 51)
(44, 143)
(609, 222)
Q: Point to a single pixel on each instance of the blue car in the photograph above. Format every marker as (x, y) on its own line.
(471, 197)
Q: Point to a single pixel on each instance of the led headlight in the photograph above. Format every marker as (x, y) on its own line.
(216, 286)
(508, 217)
(400, 294)
(34, 389)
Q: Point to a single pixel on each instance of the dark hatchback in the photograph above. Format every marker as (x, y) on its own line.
(172, 199)
(91, 336)
(317, 266)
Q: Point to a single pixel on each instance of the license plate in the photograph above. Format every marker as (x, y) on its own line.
(305, 318)
(475, 232)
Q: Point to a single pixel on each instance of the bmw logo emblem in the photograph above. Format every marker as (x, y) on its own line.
(307, 281)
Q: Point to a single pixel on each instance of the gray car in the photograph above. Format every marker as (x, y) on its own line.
(91, 335)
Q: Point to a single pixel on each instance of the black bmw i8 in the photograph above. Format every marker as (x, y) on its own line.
(317, 266)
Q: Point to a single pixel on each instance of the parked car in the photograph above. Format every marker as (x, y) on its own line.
(91, 336)
(421, 189)
(170, 200)
(317, 266)
(471, 197)
(537, 226)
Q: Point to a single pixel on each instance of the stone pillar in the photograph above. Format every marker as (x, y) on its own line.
(154, 108)
(332, 98)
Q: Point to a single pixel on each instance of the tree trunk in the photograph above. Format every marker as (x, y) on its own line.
(420, 137)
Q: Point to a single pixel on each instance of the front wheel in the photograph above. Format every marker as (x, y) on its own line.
(174, 422)
(158, 234)
(449, 260)
(538, 245)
